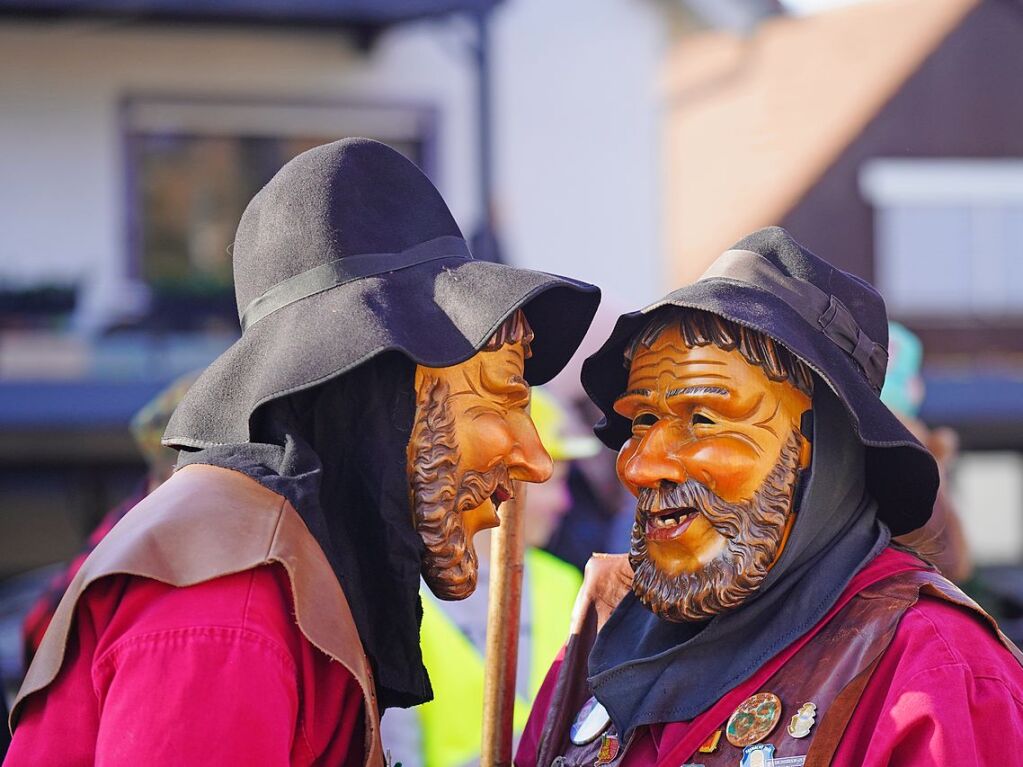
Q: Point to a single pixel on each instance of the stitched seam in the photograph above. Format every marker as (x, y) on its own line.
(965, 669)
(960, 662)
(215, 634)
(302, 731)
(368, 694)
(277, 530)
(248, 598)
(299, 690)
(934, 628)
(1001, 683)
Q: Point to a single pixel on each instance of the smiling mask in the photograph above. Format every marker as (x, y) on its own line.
(713, 460)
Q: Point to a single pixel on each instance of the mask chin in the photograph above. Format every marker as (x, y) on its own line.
(452, 582)
(755, 532)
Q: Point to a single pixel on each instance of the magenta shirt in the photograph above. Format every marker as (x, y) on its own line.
(213, 674)
(945, 693)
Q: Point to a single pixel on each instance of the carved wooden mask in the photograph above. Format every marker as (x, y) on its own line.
(472, 438)
(713, 460)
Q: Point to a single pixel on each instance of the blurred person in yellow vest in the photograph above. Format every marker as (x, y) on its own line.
(446, 731)
(941, 540)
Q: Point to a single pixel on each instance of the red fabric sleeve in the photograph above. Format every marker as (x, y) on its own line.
(207, 695)
(945, 693)
(212, 674)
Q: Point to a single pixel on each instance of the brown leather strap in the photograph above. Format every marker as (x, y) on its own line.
(832, 728)
(204, 523)
(570, 690)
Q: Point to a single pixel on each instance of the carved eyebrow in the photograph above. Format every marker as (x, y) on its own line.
(515, 383)
(515, 389)
(635, 393)
(696, 391)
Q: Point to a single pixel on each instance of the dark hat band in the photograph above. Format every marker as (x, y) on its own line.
(818, 308)
(335, 273)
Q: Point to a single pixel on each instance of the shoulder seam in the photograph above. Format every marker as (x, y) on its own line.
(212, 633)
(934, 628)
(965, 669)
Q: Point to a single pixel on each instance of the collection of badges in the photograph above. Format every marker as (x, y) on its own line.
(750, 724)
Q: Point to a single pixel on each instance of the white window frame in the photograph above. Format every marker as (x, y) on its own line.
(978, 185)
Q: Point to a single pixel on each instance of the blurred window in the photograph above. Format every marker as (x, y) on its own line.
(988, 491)
(193, 167)
(948, 235)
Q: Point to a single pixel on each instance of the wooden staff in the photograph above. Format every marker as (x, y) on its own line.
(506, 554)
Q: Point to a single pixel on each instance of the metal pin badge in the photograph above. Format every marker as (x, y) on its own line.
(754, 719)
(710, 745)
(761, 755)
(803, 721)
(610, 747)
(590, 722)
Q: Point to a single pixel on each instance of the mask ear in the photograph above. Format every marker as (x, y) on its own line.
(806, 425)
(806, 429)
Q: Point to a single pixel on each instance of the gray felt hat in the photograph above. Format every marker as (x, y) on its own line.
(350, 252)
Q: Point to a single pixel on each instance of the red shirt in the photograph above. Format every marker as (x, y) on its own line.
(213, 674)
(945, 693)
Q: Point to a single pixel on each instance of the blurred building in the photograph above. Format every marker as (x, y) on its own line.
(887, 135)
(626, 142)
(133, 134)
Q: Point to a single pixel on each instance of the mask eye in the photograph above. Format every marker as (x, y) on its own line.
(700, 418)
(644, 420)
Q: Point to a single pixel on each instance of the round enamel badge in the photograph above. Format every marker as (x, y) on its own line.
(590, 722)
(753, 720)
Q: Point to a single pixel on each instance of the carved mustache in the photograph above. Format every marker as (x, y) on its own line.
(671, 495)
(692, 495)
(477, 486)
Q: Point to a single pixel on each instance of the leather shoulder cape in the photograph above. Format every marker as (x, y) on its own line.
(176, 536)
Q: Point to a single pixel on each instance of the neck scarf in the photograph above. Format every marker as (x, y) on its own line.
(337, 453)
(646, 670)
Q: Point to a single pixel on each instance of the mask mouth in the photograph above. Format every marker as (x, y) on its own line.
(668, 524)
(500, 495)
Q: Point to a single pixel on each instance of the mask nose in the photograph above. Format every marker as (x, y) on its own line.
(529, 461)
(653, 461)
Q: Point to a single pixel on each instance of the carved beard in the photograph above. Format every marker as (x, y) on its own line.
(450, 567)
(754, 530)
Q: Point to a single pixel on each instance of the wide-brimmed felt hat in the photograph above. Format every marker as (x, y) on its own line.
(833, 321)
(347, 253)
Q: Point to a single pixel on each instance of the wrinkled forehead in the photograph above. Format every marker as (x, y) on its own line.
(668, 359)
(504, 367)
(497, 372)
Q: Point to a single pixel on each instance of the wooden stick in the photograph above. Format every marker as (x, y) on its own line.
(503, 633)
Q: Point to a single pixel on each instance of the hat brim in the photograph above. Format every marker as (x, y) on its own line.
(437, 314)
(902, 475)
